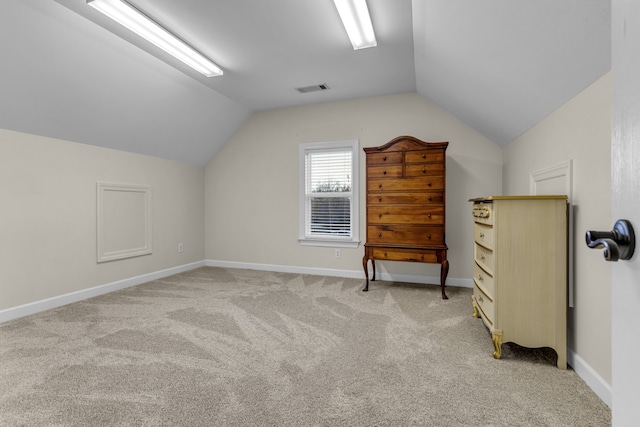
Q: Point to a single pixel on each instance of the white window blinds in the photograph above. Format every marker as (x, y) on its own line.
(329, 193)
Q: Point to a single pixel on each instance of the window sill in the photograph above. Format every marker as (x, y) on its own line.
(330, 243)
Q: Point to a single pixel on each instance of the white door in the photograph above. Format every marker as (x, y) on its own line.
(625, 183)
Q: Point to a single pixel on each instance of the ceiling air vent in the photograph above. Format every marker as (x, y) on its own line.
(313, 88)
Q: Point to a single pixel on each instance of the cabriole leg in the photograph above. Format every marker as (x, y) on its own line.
(365, 260)
(497, 345)
(444, 271)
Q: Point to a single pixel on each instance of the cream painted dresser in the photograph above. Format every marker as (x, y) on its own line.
(520, 271)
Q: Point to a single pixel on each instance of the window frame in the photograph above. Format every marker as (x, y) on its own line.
(352, 241)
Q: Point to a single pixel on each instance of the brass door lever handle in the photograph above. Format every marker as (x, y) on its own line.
(618, 243)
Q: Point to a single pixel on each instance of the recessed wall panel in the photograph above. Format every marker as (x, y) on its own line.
(123, 222)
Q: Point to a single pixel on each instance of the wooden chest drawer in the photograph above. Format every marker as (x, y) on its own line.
(483, 235)
(435, 156)
(484, 257)
(384, 158)
(411, 255)
(424, 170)
(406, 184)
(484, 281)
(426, 198)
(385, 171)
(405, 215)
(485, 305)
(390, 234)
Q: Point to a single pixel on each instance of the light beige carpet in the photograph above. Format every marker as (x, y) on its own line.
(224, 347)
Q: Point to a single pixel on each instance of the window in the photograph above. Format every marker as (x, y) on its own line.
(329, 193)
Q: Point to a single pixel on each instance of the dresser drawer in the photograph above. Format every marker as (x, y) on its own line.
(384, 158)
(426, 198)
(406, 184)
(405, 215)
(385, 171)
(390, 234)
(483, 213)
(485, 305)
(424, 169)
(483, 280)
(436, 156)
(484, 257)
(483, 235)
(411, 255)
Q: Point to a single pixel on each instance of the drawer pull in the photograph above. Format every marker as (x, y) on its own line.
(429, 198)
(481, 277)
(379, 198)
(422, 257)
(379, 185)
(424, 170)
(384, 172)
(379, 234)
(424, 156)
(480, 298)
(379, 215)
(482, 257)
(429, 215)
(429, 184)
(384, 158)
(481, 235)
(429, 236)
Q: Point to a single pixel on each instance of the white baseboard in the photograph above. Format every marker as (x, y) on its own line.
(54, 302)
(590, 377)
(352, 274)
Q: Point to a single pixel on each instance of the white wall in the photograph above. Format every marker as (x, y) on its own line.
(579, 130)
(252, 182)
(48, 216)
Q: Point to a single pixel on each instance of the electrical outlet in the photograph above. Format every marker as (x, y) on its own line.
(180, 247)
(338, 253)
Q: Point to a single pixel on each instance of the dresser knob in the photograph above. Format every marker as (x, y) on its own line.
(379, 185)
(384, 172)
(480, 278)
(379, 234)
(482, 235)
(429, 198)
(384, 158)
(482, 257)
(379, 198)
(429, 236)
(424, 156)
(424, 170)
(480, 298)
(429, 215)
(379, 215)
(429, 184)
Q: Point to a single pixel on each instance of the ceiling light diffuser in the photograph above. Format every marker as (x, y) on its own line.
(356, 20)
(133, 19)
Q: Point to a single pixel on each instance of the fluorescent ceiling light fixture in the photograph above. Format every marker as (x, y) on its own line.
(131, 18)
(356, 20)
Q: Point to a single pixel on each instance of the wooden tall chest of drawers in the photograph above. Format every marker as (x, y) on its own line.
(520, 271)
(406, 204)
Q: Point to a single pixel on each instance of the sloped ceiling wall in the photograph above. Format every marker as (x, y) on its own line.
(498, 65)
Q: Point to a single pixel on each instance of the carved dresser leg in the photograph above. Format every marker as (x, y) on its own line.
(444, 271)
(496, 337)
(365, 260)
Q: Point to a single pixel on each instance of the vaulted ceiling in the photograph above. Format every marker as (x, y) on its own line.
(499, 65)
